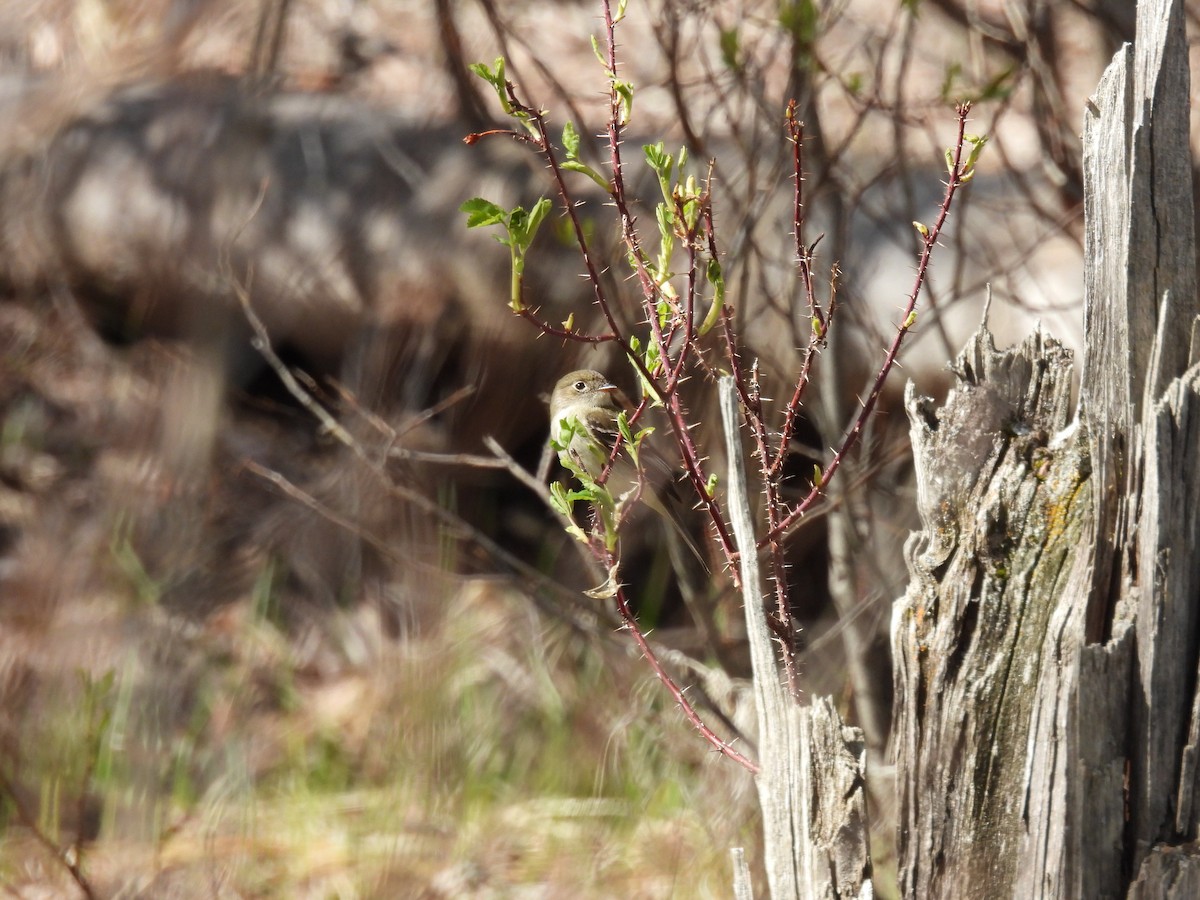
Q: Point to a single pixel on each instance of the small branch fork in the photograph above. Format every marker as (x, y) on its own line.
(675, 350)
(959, 173)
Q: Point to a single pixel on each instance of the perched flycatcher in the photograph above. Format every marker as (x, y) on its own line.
(587, 398)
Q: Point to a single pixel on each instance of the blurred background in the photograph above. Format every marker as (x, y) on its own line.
(277, 619)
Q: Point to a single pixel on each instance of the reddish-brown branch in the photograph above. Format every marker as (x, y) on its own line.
(520, 136)
(775, 467)
(930, 238)
(676, 414)
(803, 252)
(820, 320)
(580, 236)
(723, 747)
(816, 344)
(750, 408)
(545, 147)
(771, 487)
(569, 334)
(685, 320)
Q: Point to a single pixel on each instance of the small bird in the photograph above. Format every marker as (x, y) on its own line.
(583, 421)
(587, 398)
(591, 400)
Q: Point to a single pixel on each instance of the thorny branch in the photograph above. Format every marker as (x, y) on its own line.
(723, 747)
(958, 175)
(675, 350)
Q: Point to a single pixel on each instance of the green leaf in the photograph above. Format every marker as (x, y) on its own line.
(624, 91)
(574, 165)
(977, 142)
(662, 163)
(570, 140)
(710, 488)
(599, 54)
(496, 79)
(650, 358)
(537, 215)
(567, 430)
(730, 43)
(493, 78)
(664, 313)
(523, 225)
(658, 159)
(666, 221)
(691, 214)
(949, 79)
(481, 212)
(716, 278)
(623, 428)
(560, 499)
(799, 18)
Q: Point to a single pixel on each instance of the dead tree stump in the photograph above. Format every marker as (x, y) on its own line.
(1047, 649)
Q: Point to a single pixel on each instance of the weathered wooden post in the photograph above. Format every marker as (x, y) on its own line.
(811, 788)
(1046, 652)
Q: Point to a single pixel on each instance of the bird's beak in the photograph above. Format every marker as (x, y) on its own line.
(607, 387)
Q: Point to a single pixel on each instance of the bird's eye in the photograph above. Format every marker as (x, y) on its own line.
(581, 386)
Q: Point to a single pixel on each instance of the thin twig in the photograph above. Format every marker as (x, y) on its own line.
(953, 182)
(723, 747)
(262, 343)
(70, 861)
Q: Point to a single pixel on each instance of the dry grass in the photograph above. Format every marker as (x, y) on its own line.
(488, 752)
(431, 735)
